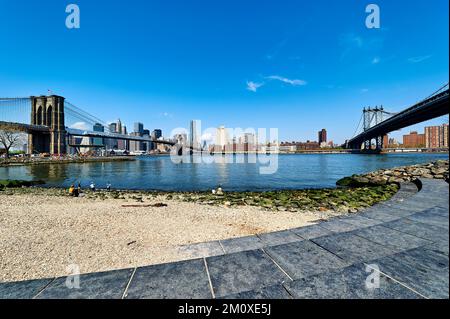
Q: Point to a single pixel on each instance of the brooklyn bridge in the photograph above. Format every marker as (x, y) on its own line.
(48, 117)
(47, 124)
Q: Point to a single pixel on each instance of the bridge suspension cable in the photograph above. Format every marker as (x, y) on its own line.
(440, 90)
(357, 131)
(15, 110)
(76, 115)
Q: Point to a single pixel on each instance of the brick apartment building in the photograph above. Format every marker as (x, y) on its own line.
(436, 136)
(413, 139)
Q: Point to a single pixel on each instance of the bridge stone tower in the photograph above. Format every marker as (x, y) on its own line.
(48, 111)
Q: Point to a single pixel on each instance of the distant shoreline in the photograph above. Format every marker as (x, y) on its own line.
(49, 161)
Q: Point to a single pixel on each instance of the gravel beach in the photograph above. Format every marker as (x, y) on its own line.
(42, 234)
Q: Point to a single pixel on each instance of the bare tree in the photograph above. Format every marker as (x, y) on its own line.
(9, 140)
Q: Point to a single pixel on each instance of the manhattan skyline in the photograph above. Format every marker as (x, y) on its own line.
(296, 66)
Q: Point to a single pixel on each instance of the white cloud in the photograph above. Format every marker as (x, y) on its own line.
(376, 60)
(286, 80)
(253, 86)
(364, 90)
(81, 126)
(418, 59)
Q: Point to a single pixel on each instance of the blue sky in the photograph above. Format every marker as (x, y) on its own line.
(299, 66)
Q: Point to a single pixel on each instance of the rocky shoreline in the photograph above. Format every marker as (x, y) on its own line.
(434, 170)
(337, 200)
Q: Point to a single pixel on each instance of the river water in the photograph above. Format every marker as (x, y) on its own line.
(161, 173)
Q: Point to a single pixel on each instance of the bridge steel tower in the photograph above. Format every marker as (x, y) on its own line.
(369, 115)
(48, 111)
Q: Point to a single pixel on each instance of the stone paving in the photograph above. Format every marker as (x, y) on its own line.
(403, 242)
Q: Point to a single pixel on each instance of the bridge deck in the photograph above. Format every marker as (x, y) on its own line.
(425, 110)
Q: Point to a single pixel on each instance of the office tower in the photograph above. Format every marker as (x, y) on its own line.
(113, 127)
(139, 128)
(156, 134)
(194, 137)
(221, 136)
(98, 140)
(119, 127)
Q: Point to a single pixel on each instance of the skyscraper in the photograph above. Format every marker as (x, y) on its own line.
(322, 136)
(98, 128)
(221, 136)
(156, 134)
(139, 128)
(146, 146)
(113, 127)
(119, 126)
(194, 137)
(111, 144)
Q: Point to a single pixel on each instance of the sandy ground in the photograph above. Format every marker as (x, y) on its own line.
(41, 235)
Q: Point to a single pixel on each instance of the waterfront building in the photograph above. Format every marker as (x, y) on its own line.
(436, 136)
(119, 127)
(385, 141)
(446, 135)
(121, 144)
(147, 146)
(298, 146)
(135, 146)
(413, 140)
(195, 134)
(138, 131)
(323, 136)
(308, 145)
(249, 142)
(98, 140)
(156, 134)
(288, 148)
(221, 136)
(139, 128)
(112, 127)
